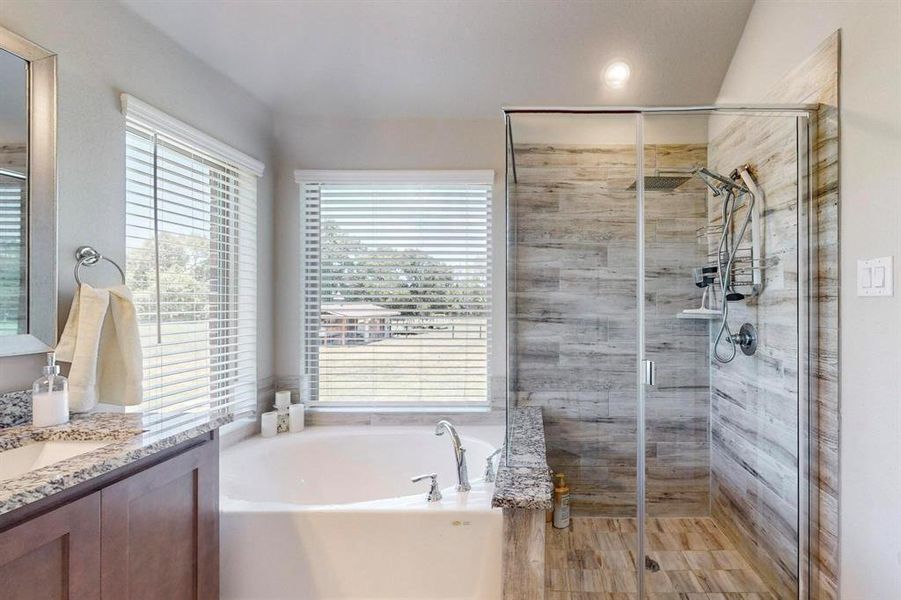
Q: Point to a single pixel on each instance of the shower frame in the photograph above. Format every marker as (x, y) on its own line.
(806, 122)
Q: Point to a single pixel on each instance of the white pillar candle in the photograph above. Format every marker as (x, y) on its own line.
(282, 399)
(295, 418)
(269, 424)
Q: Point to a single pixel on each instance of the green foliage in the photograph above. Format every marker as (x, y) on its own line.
(186, 285)
(411, 281)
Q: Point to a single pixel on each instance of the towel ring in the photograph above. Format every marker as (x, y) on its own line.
(87, 255)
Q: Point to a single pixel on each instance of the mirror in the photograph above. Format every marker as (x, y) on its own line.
(13, 194)
(28, 255)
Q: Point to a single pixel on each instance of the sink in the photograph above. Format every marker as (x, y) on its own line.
(16, 461)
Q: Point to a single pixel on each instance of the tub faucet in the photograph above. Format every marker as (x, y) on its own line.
(459, 454)
(434, 493)
(490, 471)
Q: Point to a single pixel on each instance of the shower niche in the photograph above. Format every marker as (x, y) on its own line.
(657, 311)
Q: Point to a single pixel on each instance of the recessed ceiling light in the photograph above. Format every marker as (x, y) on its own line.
(616, 75)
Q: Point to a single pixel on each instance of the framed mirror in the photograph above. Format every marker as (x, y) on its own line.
(28, 247)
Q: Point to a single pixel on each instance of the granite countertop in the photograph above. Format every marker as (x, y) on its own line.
(128, 442)
(15, 408)
(523, 478)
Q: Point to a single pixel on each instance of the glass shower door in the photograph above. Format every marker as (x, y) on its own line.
(722, 335)
(572, 307)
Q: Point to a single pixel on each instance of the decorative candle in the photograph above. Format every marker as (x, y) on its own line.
(269, 424)
(295, 417)
(282, 399)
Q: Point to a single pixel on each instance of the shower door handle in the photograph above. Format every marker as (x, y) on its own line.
(649, 370)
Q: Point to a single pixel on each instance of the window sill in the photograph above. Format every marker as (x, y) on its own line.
(236, 431)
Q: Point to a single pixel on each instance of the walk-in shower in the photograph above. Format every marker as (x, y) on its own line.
(657, 281)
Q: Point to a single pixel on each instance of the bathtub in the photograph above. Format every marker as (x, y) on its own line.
(331, 513)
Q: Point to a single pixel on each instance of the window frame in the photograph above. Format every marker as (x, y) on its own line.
(481, 177)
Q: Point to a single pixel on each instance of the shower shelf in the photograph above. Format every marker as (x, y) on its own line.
(699, 316)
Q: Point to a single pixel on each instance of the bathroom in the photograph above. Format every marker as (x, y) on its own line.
(293, 255)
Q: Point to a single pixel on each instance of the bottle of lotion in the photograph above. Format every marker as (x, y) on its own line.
(561, 503)
(50, 396)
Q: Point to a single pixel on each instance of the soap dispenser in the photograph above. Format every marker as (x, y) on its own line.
(561, 502)
(50, 396)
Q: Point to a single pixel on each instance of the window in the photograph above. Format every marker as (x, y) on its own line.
(396, 286)
(191, 265)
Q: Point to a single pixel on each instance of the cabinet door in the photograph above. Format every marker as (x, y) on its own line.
(55, 555)
(160, 530)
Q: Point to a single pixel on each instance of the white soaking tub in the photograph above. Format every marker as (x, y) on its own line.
(331, 513)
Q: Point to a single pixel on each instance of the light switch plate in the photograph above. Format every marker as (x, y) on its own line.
(875, 277)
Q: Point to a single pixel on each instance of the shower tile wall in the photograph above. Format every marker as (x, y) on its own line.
(754, 406)
(574, 315)
(753, 399)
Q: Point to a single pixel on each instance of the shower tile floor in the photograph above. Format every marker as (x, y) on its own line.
(595, 560)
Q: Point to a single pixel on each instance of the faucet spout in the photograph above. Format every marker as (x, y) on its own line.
(459, 454)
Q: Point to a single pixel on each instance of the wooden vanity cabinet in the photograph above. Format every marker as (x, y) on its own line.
(160, 531)
(55, 555)
(150, 532)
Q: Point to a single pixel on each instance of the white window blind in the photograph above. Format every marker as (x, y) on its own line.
(397, 287)
(191, 229)
(13, 253)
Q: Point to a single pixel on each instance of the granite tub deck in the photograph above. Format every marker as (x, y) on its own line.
(523, 489)
(523, 478)
(128, 443)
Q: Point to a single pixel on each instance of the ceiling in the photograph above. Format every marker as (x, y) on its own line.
(455, 59)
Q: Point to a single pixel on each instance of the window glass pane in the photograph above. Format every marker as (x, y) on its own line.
(191, 256)
(397, 292)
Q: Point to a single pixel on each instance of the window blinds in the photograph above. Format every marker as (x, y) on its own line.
(396, 291)
(191, 264)
(13, 254)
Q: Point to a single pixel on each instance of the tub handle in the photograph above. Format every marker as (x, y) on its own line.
(490, 471)
(434, 493)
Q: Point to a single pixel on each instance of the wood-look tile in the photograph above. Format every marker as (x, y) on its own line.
(698, 559)
(710, 560)
(685, 582)
(669, 560)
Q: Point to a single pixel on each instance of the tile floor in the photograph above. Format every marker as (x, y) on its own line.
(595, 560)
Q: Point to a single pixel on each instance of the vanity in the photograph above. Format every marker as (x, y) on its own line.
(107, 505)
(119, 511)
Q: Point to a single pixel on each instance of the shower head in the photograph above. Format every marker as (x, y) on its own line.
(719, 183)
(661, 183)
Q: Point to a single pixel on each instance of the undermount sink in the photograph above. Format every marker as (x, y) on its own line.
(16, 461)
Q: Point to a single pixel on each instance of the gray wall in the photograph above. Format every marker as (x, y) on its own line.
(303, 143)
(104, 50)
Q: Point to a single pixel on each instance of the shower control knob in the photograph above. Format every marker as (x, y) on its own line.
(747, 339)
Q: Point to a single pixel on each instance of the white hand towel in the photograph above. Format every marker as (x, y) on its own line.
(102, 341)
(121, 360)
(80, 345)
